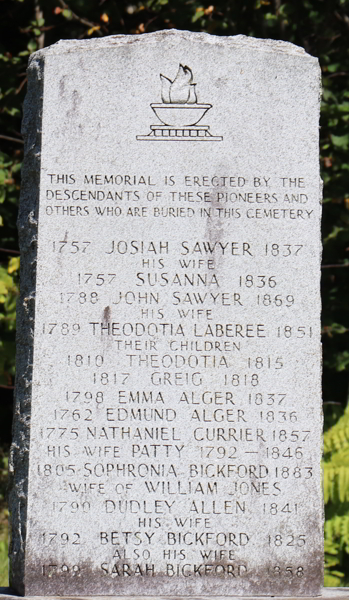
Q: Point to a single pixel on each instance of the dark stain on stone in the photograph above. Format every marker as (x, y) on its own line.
(106, 314)
(62, 86)
(76, 100)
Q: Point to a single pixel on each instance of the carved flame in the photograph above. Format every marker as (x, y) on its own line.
(181, 90)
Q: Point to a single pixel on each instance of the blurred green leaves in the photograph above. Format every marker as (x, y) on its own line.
(8, 298)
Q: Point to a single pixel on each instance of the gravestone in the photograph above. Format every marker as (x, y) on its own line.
(168, 412)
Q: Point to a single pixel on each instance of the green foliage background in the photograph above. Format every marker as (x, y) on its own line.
(319, 26)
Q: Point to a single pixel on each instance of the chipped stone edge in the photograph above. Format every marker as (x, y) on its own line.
(237, 41)
(27, 228)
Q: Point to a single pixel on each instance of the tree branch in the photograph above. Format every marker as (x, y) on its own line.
(11, 139)
(81, 20)
(334, 266)
(9, 251)
(39, 15)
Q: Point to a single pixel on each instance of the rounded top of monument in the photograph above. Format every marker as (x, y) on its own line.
(238, 41)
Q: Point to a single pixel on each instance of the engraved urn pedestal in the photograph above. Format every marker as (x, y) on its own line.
(179, 123)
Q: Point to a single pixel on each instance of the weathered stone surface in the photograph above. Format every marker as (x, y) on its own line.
(172, 385)
(325, 594)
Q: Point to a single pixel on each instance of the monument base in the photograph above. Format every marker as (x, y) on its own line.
(327, 594)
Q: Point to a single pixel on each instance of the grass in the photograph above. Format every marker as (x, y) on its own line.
(3, 519)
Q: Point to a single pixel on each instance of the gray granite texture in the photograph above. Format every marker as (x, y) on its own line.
(325, 594)
(168, 403)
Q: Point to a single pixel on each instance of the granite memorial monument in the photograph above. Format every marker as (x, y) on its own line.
(168, 402)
